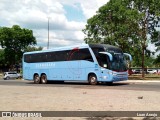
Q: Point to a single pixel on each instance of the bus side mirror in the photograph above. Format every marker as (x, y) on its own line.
(109, 55)
(130, 57)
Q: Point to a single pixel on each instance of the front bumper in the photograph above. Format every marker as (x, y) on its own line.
(120, 76)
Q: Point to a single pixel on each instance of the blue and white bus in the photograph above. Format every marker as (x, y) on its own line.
(88, 62)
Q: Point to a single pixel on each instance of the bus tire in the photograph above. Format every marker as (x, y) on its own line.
(92, 79)
(43, 79)
(36, 79)
(61, 82)
(109, 83)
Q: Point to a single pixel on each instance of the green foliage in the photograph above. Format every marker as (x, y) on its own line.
(2, 58)
(157, 61)
(32, 48)
(148, 63)
(113, 24)
(126, 23)
(14, 41)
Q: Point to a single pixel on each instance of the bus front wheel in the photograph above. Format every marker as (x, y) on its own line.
(36, 79)
(92, 79)
(43, 79)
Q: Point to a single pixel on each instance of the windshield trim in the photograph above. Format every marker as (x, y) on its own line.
(109, 54)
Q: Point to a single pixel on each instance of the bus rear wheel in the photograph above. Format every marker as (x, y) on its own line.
(43, 79)
(92, 79)
(36, 79)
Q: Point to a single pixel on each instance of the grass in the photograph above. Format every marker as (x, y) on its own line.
(147, 77)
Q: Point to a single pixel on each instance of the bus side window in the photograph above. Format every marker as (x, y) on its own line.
(73, 55)
(27, 58)
(44, 57)
(61, 55)
(102, 60)
(80, 54)
(85, 55)
(49, 57)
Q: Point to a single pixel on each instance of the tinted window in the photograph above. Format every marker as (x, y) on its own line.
(102, 60)
(80, 54)
(68, 55)
(51, 56)
(61, 55)
(97, 50)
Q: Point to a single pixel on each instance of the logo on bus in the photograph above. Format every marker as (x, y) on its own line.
(45, 65)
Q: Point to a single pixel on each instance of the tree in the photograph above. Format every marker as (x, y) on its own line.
(150, 16)
(157, 61)
(158, 42)
(2, 58)
(14, 40)
(115, 24)
(126, 24)
(32, 48)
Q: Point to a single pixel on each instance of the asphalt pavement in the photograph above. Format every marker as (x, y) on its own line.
(145, 85)
(22, 95)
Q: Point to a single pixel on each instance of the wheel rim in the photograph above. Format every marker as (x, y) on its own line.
(93, 79)
(37, 79)
(43, 79)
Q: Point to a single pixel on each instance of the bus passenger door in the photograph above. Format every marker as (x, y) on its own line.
(103, 61)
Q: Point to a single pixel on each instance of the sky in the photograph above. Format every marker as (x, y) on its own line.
(66, 18)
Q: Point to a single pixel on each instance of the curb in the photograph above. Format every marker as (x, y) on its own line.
(143, 81)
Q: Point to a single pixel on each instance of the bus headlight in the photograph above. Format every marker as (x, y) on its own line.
(104, 77)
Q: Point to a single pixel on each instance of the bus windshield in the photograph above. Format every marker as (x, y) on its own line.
(118, 63)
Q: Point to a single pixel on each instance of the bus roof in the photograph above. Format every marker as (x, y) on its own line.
(107, 47)
(104, 46)
(60, 48)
